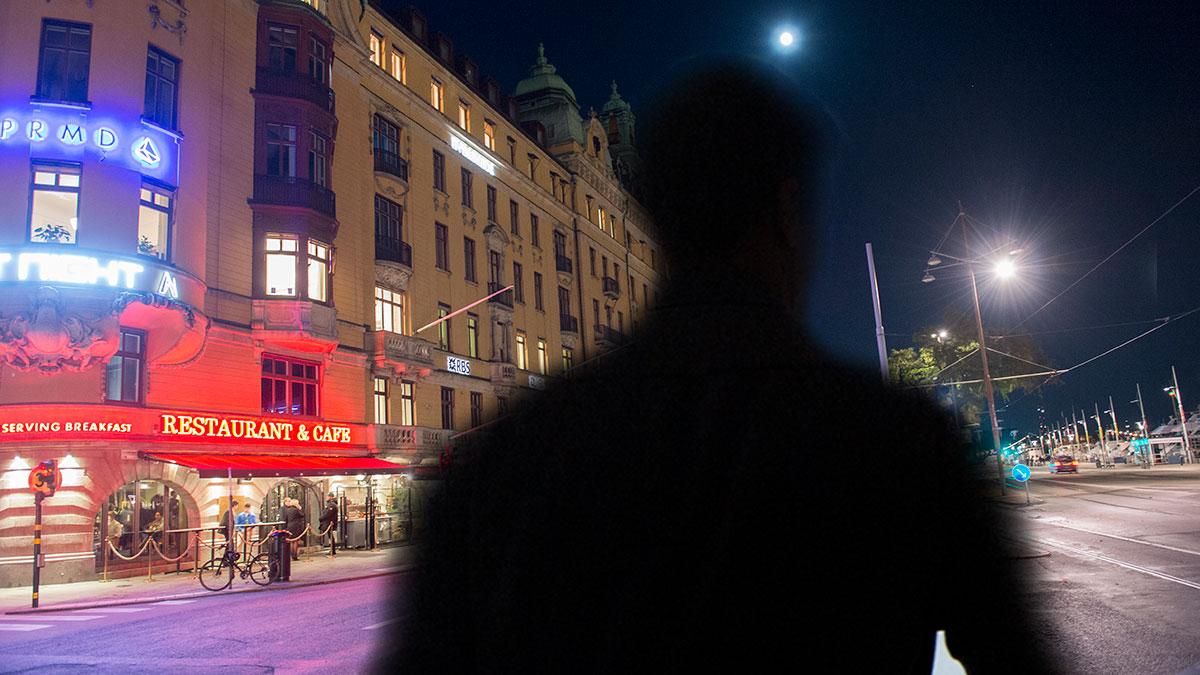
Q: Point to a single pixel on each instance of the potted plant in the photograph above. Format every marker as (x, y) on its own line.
(54, 234)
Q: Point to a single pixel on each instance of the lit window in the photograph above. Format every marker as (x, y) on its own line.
(281, 48)
(522, 355)
(281, 265)
(376, 44)
(281, 150)
(318, 61)
(406, 403)
(123, 373)
(318, 159)
(399, 66)
(541, 356)
(568, 359)
(464, 115)
(389, 310)
(289, 387)
(66, 55)
(381, 400)
(443, 328)
(472, 335)
(318, 271)
(162, 88)
(437, 94)
(489, 135)
(154, 220)
(54, 213)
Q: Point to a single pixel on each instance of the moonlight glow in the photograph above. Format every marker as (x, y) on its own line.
(786, 38)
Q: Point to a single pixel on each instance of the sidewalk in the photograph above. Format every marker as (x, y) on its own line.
(313, 568)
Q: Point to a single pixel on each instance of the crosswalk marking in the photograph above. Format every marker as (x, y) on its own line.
(24, 627)
(55, 617)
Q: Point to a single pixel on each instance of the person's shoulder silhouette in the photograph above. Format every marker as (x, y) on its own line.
(715, 494)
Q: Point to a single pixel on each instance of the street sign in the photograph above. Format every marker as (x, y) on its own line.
(45, 478)
(1020, 473)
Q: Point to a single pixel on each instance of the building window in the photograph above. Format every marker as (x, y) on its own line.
(154, 220)
(162, 88)
(464, 115)
(54, 208)
(522, 353)
(501, 405)
(289, 386)
(389, 310)
(514, 217)
(646, 295)
(318, 158)
(564, 302)
(476, 408)
(533, 159)
(568, 359)
(443, 327)
(318, 271)
(491, 204)
(560, 244)
(604, 264)
(601, 217)
(399, 66)
(469, 258)
(494, 275)
(489, 134)
(518, 286)
(318, 61)
(439, 171)
(541, 356)
(442, 242)
(533, 230)
(376, 44)
(437, 94)
(281, 150)
(389, 223)
(537, 290)
(281, 48)
(468, 199)
(385, 138)
(472, 335)
(592, 258)
(65, 59)
(620, 322)
(595, 312)
(381, 400)
(123, 373)
(406, 403)
(447, 408)
(281, 265)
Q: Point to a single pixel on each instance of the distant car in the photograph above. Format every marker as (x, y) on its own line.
(1064, 464)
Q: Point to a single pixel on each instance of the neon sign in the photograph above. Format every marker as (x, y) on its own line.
(476, 157)
(254, 429)
(69, 269)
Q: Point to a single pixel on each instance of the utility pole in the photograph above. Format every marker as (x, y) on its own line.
(1100, 426)
(1187, 446)
(1112, 411)
(1086, 434)
(879, 340)
(1145, 429)
(987, 376)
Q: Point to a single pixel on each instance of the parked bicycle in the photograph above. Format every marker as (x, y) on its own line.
(218, 574)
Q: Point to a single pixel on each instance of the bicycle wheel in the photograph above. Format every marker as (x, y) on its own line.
(214, 575)
(260, 569)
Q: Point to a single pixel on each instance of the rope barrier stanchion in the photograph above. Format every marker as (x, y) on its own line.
(196, 557)
(165, 558)
(104, 577)
(134, 556)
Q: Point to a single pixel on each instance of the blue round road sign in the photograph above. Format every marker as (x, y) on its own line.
(1020, 473)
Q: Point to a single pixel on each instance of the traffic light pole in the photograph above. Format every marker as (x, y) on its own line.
(37, 544)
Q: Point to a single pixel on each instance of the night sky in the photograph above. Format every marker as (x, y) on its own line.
(1068, 126)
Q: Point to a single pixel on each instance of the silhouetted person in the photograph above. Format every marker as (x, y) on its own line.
(717, 495)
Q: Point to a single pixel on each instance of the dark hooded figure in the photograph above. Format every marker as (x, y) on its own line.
(717, 495)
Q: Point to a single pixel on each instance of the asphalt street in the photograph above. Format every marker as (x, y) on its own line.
(330, 628)
(1119, 591)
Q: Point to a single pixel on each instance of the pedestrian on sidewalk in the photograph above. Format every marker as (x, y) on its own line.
(296, 522)
(329, 519)
(246, 518)
(226, 522)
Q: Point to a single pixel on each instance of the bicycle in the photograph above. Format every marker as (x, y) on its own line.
(217, 574)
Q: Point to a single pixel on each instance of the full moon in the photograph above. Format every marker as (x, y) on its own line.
(786, 38)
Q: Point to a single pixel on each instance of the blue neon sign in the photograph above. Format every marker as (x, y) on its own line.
(76, 134)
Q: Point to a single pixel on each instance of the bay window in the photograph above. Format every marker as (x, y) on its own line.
(318, 271)
(281, 265)
(389, 310)
(54, 208)
(154, 220)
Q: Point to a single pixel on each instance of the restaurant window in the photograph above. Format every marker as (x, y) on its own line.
(468, 199)
(447, 408)
(281, 264)
(489, 134)
(469, 258)
(491, 204)
(437, 94)
(54, 208)
(541, 355)
(281, 48)
(399, 65)
(568, 359)
(154, 220)
(464, 115)
(441, 257)
(518, 283)
(389, 310)
(318, 159)
(522, 352)
(537, 290)
(281, 150)
(123, 373)
(406, 403)
(376, 45)
(439, 171)
(318, 271)
(476, 408)
(443, 328)
(318, 61)
(473, 335)
(162, 88)
(137, 510)
(65, 59)
(289, 386)
(381, 400)
(533, 230)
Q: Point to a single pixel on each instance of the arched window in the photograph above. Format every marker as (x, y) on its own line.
(137, 511)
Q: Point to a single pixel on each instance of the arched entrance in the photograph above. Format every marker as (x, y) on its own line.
(310, 505)
(137, 511)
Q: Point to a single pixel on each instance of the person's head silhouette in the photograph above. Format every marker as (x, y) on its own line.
(730, 172)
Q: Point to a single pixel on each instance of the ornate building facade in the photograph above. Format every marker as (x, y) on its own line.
(226, 226)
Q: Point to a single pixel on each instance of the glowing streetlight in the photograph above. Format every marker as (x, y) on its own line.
(1006, 269)
(786, 38)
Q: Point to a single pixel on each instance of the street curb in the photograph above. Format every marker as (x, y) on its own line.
(211, 594)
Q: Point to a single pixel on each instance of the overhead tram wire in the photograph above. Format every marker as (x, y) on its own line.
(1070, 330)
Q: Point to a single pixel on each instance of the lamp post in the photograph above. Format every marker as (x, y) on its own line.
(1145, 428)
(1177, 395)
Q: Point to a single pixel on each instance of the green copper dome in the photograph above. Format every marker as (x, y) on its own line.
(542, 77)
(615, 102)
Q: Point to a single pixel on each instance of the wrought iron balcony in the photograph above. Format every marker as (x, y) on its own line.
(504, 299)
(608, 336)
(562, 263)
(293, 84)
(612, 289)
(391, 163)
(393, 250)
(294, 191)
(568, 323)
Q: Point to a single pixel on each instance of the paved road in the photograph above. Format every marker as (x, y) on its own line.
(1120, 590)
(327, 629)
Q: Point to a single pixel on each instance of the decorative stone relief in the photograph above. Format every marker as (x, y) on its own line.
(178, 28)
(47, 340)
(392, 276)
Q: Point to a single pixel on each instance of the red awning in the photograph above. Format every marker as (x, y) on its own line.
(261, 466)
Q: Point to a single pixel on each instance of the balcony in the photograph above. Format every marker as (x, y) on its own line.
(504, 299)
(294, 191)
(409, 439)
(391, 163)
(400, 353)
(568, 323)
(291, 84)
(562, 263)
(610, 337)
(611, 288)
(393, 250)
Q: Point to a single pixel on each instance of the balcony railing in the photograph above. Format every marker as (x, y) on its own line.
(562, 263)
(391, 163)
(395, 437)
(292, 84)
(611, 288)
(608, 336)
(393, 250)
(398, 351)
(568, 323)
(504, 299)
(294, 191)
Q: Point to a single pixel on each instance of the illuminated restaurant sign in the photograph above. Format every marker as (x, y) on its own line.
(67, 264)
(209, 426)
